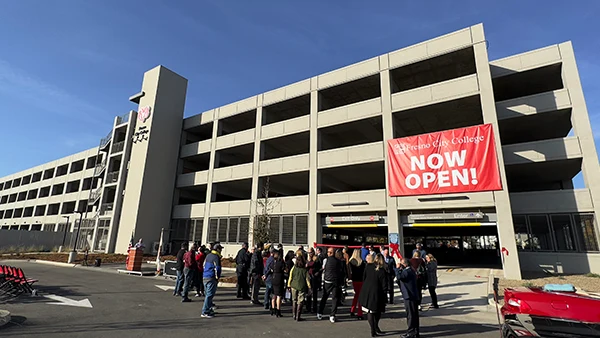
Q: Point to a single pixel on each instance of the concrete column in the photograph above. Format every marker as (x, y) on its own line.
(255, 168)
(506, 232)
(153, 162)
(314, 226)
(582, 127)
(211, 168)
(394, 225)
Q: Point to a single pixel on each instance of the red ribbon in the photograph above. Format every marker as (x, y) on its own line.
(395, 250)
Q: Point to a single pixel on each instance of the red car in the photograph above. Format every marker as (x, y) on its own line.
(537, 312)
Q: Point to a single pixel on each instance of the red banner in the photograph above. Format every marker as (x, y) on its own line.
(450, 161)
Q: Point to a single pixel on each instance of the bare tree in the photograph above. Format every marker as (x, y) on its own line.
(261, 230)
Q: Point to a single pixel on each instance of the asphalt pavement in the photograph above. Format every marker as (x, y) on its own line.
(77, 302)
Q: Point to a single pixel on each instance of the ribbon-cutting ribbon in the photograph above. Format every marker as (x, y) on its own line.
(395, 250)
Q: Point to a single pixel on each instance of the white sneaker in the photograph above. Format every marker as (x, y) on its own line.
(332, 319)
(204, 315)
(319, 316)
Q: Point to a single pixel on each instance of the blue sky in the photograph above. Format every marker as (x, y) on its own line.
(67, 67)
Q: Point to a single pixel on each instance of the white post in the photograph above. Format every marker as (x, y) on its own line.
(160, 245)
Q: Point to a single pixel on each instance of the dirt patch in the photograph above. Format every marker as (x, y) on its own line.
(229, 279)
(588, 283)
(228, 262)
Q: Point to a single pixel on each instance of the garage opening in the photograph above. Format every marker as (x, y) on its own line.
(353, 229)
(455, 238)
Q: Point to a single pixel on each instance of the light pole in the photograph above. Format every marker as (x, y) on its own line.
(73, 254)
(60, 249)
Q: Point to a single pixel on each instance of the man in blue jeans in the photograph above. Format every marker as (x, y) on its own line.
(212, 273)
(179, 269)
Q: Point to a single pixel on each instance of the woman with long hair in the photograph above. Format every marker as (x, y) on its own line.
(432, 279)
(278, 284)
(299, 283)
(289, 259)
(418, 264)
(373, 294)
(357, 273)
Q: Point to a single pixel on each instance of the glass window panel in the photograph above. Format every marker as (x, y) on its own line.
(541, 237)
(563, 232)
(233, 230)
(586, 232)
(521, 233)
(302, 229)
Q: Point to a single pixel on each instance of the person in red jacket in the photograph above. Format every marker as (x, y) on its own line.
(190, 269)
(200, 256)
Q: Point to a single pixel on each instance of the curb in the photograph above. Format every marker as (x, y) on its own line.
(67, 265)
(490, 288)
(4, 317)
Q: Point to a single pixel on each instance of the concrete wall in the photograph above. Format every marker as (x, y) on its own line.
(42, 240)
(558, 262)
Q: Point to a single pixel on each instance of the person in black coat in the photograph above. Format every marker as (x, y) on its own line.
(278, 271)
(407, 278)
(242, 265)
(256, 269)
(373, 294)
(390, 271)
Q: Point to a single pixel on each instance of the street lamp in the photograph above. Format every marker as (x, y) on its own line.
(65, 234)
(73, 254)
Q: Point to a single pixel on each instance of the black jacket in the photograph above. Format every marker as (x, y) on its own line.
(179, 265)
(242, 261)
(256, 264)
(407, 278)
(333, 271)
(373, 293)
(357, 272)
(390, 267)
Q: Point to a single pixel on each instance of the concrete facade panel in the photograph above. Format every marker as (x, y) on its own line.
(192, 179)
(349, 112)
(449, 42)
(232, 173)
(363, 153)
(525, 61)
(534, 104)
(195, 148)
(287, 92)
(290, 205)
(349, 73)
(560, 262)
(540, 151)
(186, 211)
(234, 208)
(553, 201)
(236, 139)
(439, 92)
(284, 165)
(476, 199)
(286, 127)
(196, 120)
(375, 200)
(407, 55)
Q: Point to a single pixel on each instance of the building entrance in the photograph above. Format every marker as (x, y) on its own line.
(456, 245)
(354, 229)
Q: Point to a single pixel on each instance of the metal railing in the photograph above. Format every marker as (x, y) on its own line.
(106, 209)
(99, 168)
(106, 140)
(123, 118)
(112, 177)
(117, 147)
(95, 195)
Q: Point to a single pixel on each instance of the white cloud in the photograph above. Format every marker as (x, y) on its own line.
(18, 85)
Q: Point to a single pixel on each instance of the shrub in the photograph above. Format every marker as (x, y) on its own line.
(593, 275)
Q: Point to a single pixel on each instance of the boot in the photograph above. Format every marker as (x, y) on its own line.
(272, 311)
(294, 309)
(279, 313)
(371, 320)
(299, 312)
(377, 318)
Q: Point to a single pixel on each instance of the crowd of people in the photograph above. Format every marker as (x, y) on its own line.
(299, 276)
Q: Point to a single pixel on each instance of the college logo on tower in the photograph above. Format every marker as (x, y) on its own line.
(144, 114)
(451, 161)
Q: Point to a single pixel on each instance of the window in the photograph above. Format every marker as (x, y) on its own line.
(32, 194)
(586, 232)
(540, 233)
(44, 192)
(58, 189)
(26, 180)
(563, 232)
(36, 177)
(228, 230)
(556, 232)
(289, 229)
(22, 196)
(521, 232)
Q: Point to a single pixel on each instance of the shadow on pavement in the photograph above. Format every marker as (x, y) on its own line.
(467, 283)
